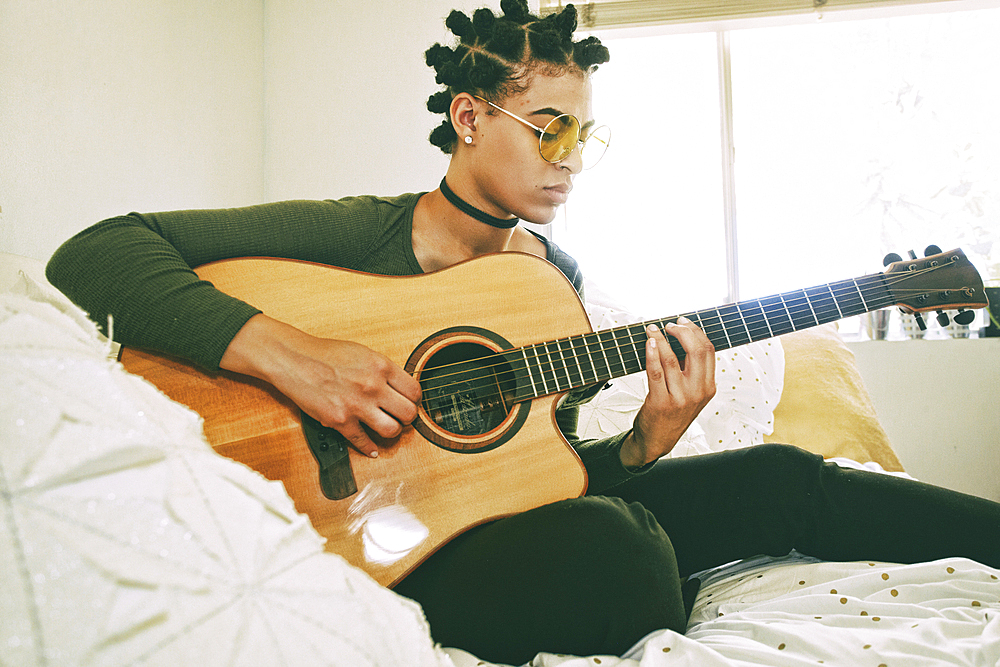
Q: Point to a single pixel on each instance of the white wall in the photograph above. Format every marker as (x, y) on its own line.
(113, 106)
(346, 89)
(937, 400)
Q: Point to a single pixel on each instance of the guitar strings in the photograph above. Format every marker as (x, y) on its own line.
(754, 321)
(553, 367)
(635, 333)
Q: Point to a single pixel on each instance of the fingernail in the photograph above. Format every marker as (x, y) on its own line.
(374, 454)
(651, 329)
(683, 320)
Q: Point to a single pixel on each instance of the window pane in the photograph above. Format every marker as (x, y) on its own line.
(646, 223)
(855, 139)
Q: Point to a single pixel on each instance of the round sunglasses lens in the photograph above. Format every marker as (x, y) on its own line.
(594, 146)
(559, 138)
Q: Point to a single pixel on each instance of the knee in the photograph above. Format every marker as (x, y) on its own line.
(624, 538)
(611, 520)
(781, 464)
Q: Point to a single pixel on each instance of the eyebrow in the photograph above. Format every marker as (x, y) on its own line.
(549, 111)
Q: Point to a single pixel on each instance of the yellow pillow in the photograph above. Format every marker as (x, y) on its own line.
(825, 407)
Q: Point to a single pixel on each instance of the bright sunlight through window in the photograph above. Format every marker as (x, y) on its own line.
(852, 139)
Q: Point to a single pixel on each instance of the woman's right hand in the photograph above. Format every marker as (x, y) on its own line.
(343, 385)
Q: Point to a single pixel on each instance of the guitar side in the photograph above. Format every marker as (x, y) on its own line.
(416, 495)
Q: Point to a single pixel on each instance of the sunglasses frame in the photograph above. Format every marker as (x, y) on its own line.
(541, 132)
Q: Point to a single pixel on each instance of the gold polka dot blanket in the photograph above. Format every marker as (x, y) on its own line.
(796, 611)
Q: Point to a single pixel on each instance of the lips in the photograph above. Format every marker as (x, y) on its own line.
(559, 193)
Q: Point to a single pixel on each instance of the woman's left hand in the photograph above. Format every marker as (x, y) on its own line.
(678, 391)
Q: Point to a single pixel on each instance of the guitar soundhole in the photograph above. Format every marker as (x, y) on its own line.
(466, 402)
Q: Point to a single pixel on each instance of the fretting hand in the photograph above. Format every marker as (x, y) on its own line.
(678, 391)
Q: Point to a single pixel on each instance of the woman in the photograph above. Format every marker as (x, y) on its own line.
(584, 576)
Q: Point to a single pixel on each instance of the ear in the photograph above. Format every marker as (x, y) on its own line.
(463, 115)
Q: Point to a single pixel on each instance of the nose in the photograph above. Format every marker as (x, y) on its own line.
(574, 161)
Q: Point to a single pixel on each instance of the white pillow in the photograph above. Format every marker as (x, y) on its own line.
(125, 538)
(748, 380)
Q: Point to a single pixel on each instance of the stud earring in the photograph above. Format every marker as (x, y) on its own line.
(468, 139)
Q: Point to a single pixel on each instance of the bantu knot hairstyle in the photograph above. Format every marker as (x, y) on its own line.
(496, 53)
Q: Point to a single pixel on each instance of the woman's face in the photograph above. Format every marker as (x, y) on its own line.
(511, 176)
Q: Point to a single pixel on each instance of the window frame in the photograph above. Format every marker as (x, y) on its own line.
(637, 18)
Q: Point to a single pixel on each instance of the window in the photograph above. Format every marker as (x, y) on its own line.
(852, 139)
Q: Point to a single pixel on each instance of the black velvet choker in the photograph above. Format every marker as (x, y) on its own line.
(472, 211)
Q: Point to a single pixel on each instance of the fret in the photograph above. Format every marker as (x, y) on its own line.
(633, 349)
(878, 292)
(572, 363)
(778, 320)
(711, 324)
(559, 370)
(584, 362)
(849, 299)
(860, 294)
(545, 369)
(799, 309)
(736, 329)
(753, 314)
(821, 303)
(595, 351)
(840, 315)
(612, 354)
(530, 367)
(743, 320)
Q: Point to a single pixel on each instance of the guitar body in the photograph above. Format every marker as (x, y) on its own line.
(428, 485)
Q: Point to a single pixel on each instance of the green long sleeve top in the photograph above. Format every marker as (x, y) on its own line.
(137, 268)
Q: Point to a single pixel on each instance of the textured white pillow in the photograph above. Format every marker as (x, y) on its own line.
(125, 539)
(748, 379)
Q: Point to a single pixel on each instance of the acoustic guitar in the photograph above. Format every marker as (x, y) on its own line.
(495, 343)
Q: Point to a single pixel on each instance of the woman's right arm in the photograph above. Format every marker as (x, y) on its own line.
(137, 268)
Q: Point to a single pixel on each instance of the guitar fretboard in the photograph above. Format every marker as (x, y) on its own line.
(577, 361)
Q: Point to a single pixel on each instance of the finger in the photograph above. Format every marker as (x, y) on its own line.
(383, 424)
(697, 347)
(661, 363)
(398, 406)
(359, 440)
(405, 384)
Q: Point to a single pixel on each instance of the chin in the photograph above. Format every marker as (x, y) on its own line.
(539, 217)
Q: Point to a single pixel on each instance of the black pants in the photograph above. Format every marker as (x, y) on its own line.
(595, 574)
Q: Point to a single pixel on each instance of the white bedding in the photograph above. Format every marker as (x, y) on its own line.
(797, 611)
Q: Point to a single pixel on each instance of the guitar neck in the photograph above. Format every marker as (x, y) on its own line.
(578, 361)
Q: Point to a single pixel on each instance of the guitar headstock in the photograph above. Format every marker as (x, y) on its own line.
(935, 282)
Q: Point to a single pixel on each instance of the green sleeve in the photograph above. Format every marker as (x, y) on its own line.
(137, 268)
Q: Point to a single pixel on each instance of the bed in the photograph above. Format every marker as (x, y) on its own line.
(125, 539)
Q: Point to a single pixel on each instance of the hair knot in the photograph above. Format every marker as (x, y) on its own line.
(516, 10)
(461, 25)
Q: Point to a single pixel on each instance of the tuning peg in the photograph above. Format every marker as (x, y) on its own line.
(965, 316)
(912, 254)
(920, 321)
(890, 258)
(942, 318)
(931, 250)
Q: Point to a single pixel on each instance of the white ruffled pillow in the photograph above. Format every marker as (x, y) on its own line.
(749, 381)
(126, 539)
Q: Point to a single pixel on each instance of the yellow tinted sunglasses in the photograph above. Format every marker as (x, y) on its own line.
(562, 134)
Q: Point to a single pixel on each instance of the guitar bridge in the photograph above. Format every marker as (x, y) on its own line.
(330, 448)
